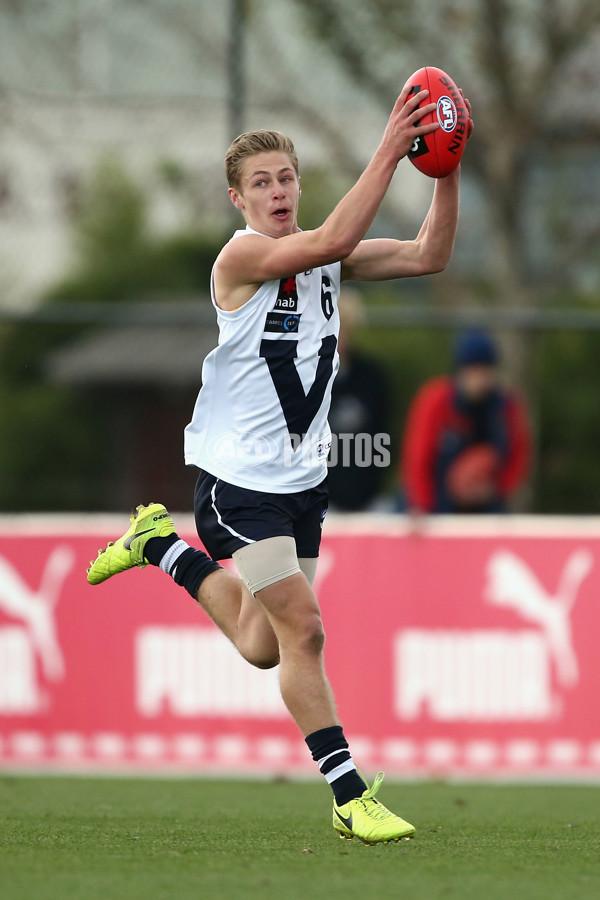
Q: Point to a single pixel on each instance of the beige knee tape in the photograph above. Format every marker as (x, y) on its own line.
(308, 564)
(266, 562)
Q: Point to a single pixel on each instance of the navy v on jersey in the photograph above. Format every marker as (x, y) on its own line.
(260, 420)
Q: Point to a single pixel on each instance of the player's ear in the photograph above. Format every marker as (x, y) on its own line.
(236, 198)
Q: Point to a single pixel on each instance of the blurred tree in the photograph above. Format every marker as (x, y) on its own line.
(54, 455)
(118, 256)
(569, 425)
(526, 66)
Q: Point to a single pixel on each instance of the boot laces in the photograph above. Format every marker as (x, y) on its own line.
(373, 807)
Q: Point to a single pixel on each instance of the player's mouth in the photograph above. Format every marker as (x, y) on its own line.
(281, 213)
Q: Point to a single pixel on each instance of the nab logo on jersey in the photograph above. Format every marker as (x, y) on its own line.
(287, 295)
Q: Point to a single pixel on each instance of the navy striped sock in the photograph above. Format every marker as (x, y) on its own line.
(330, 751)
(156, 548)
(187, 566)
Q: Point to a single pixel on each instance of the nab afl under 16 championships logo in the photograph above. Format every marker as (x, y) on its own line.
(446, 113)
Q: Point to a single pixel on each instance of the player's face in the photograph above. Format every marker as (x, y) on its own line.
(269, 193)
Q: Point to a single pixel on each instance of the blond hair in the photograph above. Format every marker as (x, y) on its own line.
(252, 142)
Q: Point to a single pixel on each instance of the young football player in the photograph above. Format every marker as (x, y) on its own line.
(259, 431)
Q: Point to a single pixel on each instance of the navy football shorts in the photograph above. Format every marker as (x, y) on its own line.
(229, 517)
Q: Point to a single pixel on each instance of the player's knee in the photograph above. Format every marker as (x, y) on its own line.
(311, 635)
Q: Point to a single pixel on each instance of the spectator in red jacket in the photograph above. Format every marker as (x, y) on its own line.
(467, 441)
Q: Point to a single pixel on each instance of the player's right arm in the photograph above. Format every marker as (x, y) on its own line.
(243, 265)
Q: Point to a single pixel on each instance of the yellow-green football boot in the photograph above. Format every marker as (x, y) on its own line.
(369, 820)
(128, 551)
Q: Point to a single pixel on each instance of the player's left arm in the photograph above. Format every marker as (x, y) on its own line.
(383, 259)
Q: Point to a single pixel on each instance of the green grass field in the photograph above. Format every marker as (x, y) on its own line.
(98, 838)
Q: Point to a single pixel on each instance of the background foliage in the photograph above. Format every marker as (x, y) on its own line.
(128, 108)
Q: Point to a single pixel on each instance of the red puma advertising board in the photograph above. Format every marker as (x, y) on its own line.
(465, 647)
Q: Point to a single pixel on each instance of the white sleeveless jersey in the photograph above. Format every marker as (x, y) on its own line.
(260, 420)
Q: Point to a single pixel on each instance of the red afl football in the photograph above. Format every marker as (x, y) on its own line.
(438, 153)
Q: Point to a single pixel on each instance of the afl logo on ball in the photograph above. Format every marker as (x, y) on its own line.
(446, 113)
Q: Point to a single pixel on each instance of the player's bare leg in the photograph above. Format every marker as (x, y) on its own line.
(240, 616)
(151, 538)
(282, 621)
(293, 612)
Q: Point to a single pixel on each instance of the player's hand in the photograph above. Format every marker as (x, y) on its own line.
(402, 128)
(470, 124)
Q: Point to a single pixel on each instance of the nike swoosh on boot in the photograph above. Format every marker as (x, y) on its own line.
(133, 537)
